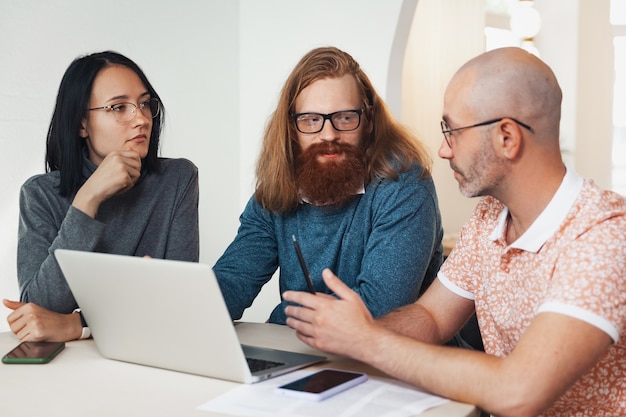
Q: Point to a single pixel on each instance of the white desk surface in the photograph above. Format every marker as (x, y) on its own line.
(79, 382)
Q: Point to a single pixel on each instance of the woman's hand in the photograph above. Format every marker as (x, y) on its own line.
(31, 322)
(117, 173)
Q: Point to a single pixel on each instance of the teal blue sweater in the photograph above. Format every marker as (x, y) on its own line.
(384, 244)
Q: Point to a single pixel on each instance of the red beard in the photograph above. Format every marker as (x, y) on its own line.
(324, 180)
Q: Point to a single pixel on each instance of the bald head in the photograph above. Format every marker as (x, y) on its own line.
(507, 82)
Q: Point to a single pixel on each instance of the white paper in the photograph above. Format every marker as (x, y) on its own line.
(377, 397)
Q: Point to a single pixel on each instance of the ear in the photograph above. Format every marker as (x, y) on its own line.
(510, 139)
(83, 129)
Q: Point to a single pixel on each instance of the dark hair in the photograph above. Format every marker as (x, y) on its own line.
(64, 146)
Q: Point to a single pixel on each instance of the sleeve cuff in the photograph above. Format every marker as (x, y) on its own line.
(82, 319)
(86, 332)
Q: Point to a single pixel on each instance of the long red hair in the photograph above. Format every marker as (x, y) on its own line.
(390, 148)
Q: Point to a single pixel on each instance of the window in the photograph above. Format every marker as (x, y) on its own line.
(497, 24)
(498, 34)
(511, 23)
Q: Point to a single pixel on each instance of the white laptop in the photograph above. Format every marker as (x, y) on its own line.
(166, 314)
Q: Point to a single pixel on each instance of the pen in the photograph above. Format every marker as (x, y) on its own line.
(305, 270)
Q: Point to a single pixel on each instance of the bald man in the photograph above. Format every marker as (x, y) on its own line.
(542, 262)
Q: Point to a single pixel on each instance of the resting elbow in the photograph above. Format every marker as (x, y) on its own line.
(520, 400)
(518, 410)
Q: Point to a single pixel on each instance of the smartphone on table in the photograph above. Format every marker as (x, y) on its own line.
(33, 352)
(322, 384)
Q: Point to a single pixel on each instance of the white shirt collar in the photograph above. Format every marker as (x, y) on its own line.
(550, 218)
(359, 192)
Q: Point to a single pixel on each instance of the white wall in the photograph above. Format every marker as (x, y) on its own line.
(218, 66)
(594, 87)
(433, 55)
(580, 53)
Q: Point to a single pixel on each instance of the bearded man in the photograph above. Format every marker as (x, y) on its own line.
(338, 173)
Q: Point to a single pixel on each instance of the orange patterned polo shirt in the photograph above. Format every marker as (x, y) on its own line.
(572, 260)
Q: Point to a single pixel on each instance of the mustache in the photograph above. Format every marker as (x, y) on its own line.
(323, 148)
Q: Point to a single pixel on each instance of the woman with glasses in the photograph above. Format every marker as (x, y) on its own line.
(105, 190)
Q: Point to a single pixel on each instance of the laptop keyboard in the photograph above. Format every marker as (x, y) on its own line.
(256, 365)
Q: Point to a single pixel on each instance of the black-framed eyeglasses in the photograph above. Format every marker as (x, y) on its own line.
(342, 121)
(125, 112)
(445, 129)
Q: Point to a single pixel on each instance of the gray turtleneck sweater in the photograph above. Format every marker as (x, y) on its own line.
(157, 217)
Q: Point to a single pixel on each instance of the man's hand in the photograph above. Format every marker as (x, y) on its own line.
(31, 322)
(332, 324)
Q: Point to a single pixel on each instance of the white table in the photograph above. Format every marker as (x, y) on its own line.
(79, 382)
